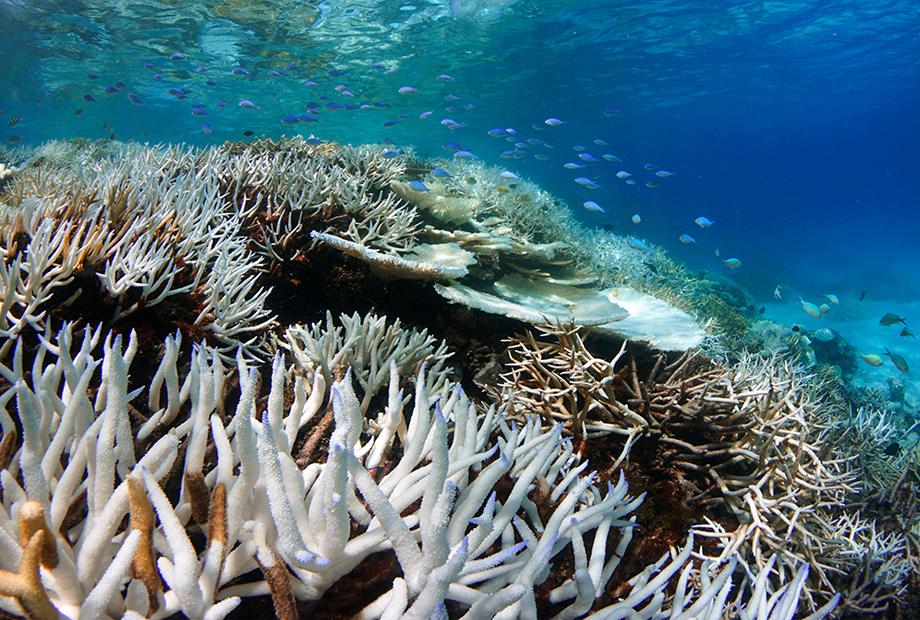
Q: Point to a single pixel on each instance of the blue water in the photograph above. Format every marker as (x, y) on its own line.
(792, 125)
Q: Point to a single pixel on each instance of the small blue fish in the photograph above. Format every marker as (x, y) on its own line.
(451, 123)
(464, 154)
(586, 182)
(611, 157)
(599, 142)
(309, 83)
(497, 132)
(579, 148)
(306, 118)
(553, 122)
(389, 154)
(686, 239)
(177, 56)
(451, 145)
(407, 90)
(509, 175)
(638, 244)
(135, 99)
(199, 112)
(611, 111)
(507, 154)
(206, 129)
(587, 157)
(110, 89)
(664, 174)
(590, 205)
(571, 165)
(240, 71)
(653, 184)
(418, 186)
(451, 97)
(390, 123)
(290, 119)
(246, 103)
(439, 172)
(650, 166)
(732, 263)
(220, 105)
(201, 69)
(623, 175)
(444, 78)
(703, 222)
(511, 131)
(88, 98)
(274, 73)
(426, 114)
(541, 157)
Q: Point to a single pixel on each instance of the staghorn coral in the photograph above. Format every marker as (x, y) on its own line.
(751, 439)
(270, 511)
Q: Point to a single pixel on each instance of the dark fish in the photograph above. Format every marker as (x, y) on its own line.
(389, 123)
(890, 319)
(290, 119)
(88, 98)
(177, 56)
(651, 267)
(761, 310)
(248, 133)
(240, 71)
(862, 295)
(899, 362)
(14, 120)
(14, 139)
(78, 112)
(110, 89)
(796, 328)
(135, 99)
(119, 85)
(906, 333)
(892, 449)
(92, 76)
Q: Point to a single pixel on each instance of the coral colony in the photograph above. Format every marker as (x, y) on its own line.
(195, 421)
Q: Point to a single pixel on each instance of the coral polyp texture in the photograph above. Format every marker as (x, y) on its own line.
(276, 379)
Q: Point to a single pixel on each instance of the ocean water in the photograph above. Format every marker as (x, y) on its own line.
(794, 127)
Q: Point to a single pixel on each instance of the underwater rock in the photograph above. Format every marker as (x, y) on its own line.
(442, 261)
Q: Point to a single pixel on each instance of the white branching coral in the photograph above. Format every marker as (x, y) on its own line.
(75, 450)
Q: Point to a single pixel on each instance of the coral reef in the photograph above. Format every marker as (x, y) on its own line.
(229, 379)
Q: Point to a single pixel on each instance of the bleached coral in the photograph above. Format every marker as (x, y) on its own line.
(270, 510)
